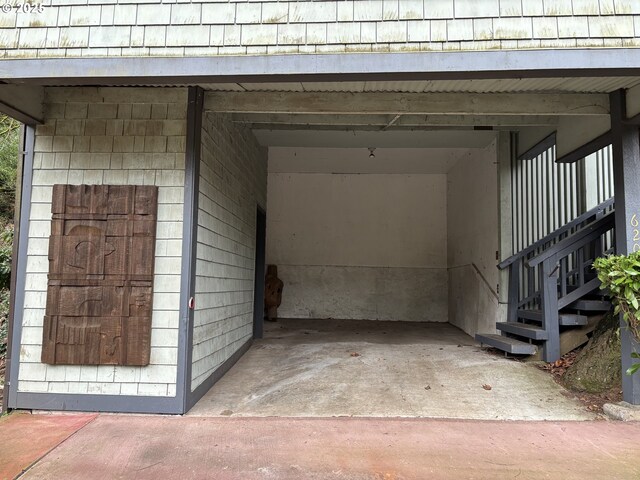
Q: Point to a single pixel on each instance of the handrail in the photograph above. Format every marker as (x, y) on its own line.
(556, 233)
(594, 229)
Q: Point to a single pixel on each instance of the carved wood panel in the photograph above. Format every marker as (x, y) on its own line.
(101, 259)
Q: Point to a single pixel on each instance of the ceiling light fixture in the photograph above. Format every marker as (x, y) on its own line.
(371, 154)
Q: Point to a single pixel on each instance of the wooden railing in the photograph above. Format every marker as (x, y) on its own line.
(557, 270)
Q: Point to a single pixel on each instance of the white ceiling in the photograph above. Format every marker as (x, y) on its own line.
(358, 160)
(378, 139)
(399, 135)
(503, 85)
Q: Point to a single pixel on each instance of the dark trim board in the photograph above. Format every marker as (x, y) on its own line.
(595, 62)
(204, 387)
(13, 363)
(99, 403)
(24, 147)
(189, 241)
(259, 274)
(626, 174)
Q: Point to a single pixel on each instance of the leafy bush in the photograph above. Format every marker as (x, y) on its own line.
(6, 245)
(9, 143)
(4, 321)
(6, 241)
(620, 275)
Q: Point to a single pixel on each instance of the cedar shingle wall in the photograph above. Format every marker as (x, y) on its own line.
(233, 182)
(74, 28)
(121, 137)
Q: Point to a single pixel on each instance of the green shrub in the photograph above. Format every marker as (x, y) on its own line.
(9, 143)
(620, 275)
(6, 246)
(6, 241)
(4, 321)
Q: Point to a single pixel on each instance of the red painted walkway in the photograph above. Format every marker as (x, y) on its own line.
(27, 438)
(157, 447)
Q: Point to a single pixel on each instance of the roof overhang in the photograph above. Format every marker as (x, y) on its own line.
(535, 92)
(324, 67)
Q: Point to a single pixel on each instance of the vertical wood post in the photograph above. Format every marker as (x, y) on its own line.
(514, 291)
(626, 171)
(549, 300)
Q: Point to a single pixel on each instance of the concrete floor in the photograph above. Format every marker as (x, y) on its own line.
(326, 368)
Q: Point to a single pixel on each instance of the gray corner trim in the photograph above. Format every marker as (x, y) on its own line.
(587, 149)
(575, 62)
(259, 273)
(99, 403)
(189, 240)
(204, 387)
(21, 266)
(542, 146)
(14, 262)
(626, 156)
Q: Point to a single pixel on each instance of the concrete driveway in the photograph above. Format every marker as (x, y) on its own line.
(327, 368)
(160, 447)
(300, 405)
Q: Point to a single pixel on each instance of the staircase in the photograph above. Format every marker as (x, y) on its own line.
(553, 287)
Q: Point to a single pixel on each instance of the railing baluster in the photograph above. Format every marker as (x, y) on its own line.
(564, 267)
(514, 292)
(581, 266)
(531, 282)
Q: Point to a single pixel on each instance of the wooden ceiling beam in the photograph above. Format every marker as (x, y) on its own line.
(408, 103)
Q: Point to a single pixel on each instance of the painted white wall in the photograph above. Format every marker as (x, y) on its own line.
(364, 246)
(357, 220)
(472, 214)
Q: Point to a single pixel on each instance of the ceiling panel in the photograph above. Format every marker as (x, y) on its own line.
(528, 85)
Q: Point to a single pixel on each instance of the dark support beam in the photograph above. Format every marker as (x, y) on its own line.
(23, 102)
(626, 171)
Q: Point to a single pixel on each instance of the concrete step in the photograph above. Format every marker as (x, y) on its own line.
(523, 329)
(590, 305)
(506, 344)
(564, 319)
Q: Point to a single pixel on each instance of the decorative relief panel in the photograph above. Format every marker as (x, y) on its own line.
(101, 258)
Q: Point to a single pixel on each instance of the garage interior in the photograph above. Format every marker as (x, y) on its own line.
(385, 226)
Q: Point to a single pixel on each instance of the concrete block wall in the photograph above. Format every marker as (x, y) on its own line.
(233, 182)
(117, 136)
(99, 28)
